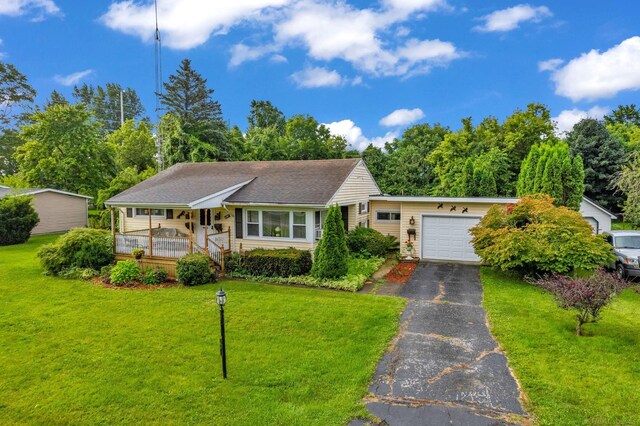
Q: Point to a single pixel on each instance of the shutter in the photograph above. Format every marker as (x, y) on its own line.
(208, 217)
(359, 208)
(129, 212)
(169, 213)
(202, 217)
(239, 223)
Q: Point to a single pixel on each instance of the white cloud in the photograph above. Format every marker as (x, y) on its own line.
(278, 58)
(567, 118)
(73, 78)
(355, 138)
(313, 77)
(550, 64)
(184, 24)
(596, 75)
(362, 37)
(509, 19)
(22, 7)
(402, 117)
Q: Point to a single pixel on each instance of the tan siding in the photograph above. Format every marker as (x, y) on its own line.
(356, 188)
(142, 222)
(59, 212)
(418, 209)
(386, 228)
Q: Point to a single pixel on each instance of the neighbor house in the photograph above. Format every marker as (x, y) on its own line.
(215, 208)
(59, 211)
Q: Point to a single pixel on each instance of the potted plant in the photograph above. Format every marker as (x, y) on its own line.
(137, 253)
(409, 247)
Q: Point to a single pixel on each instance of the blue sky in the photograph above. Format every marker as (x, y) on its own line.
(368, 69)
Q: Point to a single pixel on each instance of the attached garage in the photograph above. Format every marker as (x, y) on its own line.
(448, 238)
(439, 226)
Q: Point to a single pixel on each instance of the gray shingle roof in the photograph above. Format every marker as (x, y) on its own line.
(311, 182)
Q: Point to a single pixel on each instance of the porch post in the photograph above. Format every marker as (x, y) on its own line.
(113, 229)
(206, 233)
(150, 235)
(190, 231)
(229, 235)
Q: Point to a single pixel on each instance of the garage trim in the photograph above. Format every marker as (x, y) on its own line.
(423, 215)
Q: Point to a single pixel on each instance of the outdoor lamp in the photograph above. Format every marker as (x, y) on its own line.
(221, 297)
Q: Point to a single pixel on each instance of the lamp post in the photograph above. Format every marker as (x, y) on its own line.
(221, 299)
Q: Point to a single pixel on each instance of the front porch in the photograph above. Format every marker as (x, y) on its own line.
(164, 241)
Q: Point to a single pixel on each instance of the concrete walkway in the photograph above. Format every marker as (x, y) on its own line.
(444, 367)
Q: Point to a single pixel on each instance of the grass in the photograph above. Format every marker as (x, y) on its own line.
(74, 352)
(622, 226)
(568, 380)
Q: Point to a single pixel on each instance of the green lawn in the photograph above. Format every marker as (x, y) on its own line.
(73, 352)
(568, 379)
(622, 226)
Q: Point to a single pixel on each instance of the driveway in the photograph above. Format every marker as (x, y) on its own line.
(444, 367)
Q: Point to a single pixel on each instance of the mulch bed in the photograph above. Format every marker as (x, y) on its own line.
(401, 272)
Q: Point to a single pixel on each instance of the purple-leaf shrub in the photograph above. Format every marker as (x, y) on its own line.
(587, 295)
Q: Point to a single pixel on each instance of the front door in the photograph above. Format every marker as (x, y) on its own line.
(203, 220)
(345, 217)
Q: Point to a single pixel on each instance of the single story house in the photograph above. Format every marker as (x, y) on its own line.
(59, 211)
(215, 208)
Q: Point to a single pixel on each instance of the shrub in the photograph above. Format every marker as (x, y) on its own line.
(277, 263)
(101, 219)
(588, 295)
(194, 269)
(125, 272)
(79, 273)
(80, 247)
(154, 276)
(331, 255)
(533, 236)
(17, 220)
(234, 262)
(368, 242)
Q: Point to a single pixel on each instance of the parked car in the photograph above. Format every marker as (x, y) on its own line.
(626, 247)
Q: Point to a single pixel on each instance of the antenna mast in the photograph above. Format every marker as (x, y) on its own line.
(158, 92)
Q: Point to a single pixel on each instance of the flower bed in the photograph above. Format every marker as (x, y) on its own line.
(401, 272)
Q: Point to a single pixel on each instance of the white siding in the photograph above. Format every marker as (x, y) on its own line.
(595, 215)
(59, 212)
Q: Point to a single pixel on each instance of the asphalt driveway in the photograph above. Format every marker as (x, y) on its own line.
(444, 367)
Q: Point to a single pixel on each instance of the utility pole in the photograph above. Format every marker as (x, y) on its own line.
(121, 107)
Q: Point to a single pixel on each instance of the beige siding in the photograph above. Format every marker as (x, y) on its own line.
(59, 212)
(384, 227)
(416, 210)
(136, 223)
(248, 244)
(356, 188)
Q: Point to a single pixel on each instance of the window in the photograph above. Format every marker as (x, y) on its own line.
(388, 216)
(154, 212)
(253, 223)
(299, 225)
(277, 224)
(363, 208)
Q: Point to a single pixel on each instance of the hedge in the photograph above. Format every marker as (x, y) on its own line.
(276, 262)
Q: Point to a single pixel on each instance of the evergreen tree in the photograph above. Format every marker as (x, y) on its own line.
(552, 177)
(264, 114)
(56, 98)
(603, 155)
(485, 183)
(104, 104)
(187, 98)
(468, 181)
(331, 255)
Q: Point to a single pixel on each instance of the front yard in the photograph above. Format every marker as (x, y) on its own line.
(74, 352)
(568, 379)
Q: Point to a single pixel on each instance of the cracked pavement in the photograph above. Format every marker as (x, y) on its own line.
(443, 366)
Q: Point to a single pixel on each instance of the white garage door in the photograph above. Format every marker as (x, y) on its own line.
(593, 223)
(448, 238)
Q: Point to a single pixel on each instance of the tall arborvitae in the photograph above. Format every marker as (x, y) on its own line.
(485, 183)
(549, 169)
(331, 255)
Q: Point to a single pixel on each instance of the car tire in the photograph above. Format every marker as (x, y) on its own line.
(621, 272)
